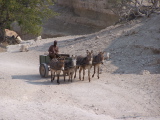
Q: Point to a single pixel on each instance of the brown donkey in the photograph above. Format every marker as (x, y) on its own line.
(84, 63)
(56, 66)
(97, 61)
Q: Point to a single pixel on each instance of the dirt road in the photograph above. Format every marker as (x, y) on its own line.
(125, 91)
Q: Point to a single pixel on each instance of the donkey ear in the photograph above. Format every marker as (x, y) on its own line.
(87, 52)
(74, 56)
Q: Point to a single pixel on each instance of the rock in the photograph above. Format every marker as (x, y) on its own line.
(12, 37)
(18, 39)
(145, 72)
(24, 48)
(38, 38)
(97, 37)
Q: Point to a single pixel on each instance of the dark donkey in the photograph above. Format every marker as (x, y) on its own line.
(97, 61)
(70, 66)
(84, 63)
(56, 66)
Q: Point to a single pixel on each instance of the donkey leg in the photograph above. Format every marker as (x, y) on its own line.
(98, 72)
(71, 76)
(89, 74)
(83, 74)
(94, 70)
(80, 73)
(64, 78)
(75, 72)
(52, 76)
(64, 75)
(58, 79)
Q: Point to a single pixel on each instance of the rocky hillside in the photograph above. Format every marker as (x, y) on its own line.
(134, 46)
(91, 12)
(78, 18)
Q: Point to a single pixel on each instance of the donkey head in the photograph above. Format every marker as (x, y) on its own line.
(74, 60)
(101, 57)
(89, 57)
(61, 64)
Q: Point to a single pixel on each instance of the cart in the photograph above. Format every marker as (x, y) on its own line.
(44, 61)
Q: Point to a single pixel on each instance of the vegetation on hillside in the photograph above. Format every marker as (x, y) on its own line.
(130, 9)
(28, 13)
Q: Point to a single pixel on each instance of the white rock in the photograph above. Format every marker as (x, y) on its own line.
(38, 38)
(145, 72)
(24, 48)
(97, 37)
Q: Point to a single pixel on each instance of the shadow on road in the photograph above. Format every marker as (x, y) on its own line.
(38, 80)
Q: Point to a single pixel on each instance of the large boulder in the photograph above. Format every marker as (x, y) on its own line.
(11, 37)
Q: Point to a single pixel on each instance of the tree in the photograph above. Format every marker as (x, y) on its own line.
(28, 13)
(130, 9)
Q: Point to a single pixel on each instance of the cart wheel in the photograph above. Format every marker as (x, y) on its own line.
(43, 70)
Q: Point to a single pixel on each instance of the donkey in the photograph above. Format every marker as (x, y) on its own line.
(56, 66)
(84, 63)
(70, 66)
(98, 60)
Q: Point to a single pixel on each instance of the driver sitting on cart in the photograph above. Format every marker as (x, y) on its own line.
(53, 50)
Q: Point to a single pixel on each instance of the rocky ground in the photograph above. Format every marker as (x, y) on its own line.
(128, 88)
